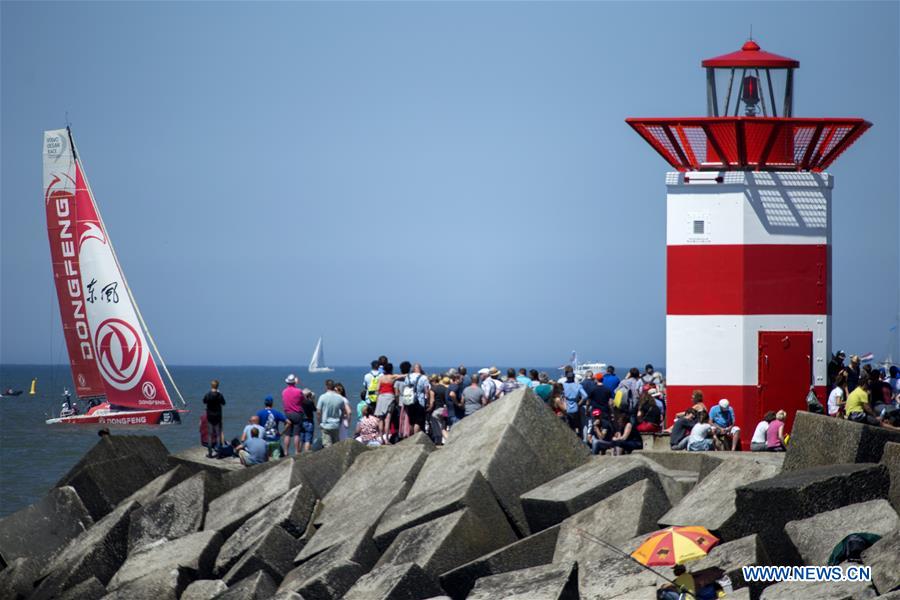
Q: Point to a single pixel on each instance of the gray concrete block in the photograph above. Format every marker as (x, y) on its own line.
(613, 575)
(89, 589)
(158, 486)
(148, 450)
(731, 556)
(273, 553)
(447, 542)
(765, 506)
(558, 581)
(562, 497)
(824, 590)
(711, 460)
(711, 503)
(194, 460)
(18, 577)
(161, 584)
(890, 458)
(819, 440)
(405, 581)
(679, 461)
(98, 552)
(258, 586)
(173, 514)
(377, 479)
(882, 556)
(204, 589)
(814, 538)
(890, 596)
(291, 512)
(471, 491)
(194, 553)
(227, 512)
(323, 468)
(630, 512)
(40, 530)
(516, 443)
(329, 574)
(532, 551)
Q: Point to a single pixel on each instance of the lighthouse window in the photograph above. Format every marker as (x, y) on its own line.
(699, 227)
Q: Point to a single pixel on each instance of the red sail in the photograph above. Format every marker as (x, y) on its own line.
(62, 211)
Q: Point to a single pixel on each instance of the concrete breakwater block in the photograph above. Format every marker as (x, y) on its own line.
(160, 584)
(532, 551)
(448, 542)
(883, 557)
(405, 581)
(731, 556)
(291, 513)
(204, 589)
(557, 581)
(516, 443)
(711, 503)
(331, 573)
(617, 576)
(891, 460)
(377, 479)
(819, 440)
(174, 514)
(323, 468)
(17, 578)
(158, 486)
(601, 477)
(630, 512)
(228, 511)
(115, 468)
(765, 506)
(471, 491)
(819, 590)
(89, 589)
(98, 552)
(40, 530)
(815, 538)
(273, 553)
(680, 461)
(709, 464)
(258, 586)
(195, 460)
(195, 553)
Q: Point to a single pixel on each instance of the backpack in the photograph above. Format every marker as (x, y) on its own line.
(372, 390)
(408, 396)
(622, 398)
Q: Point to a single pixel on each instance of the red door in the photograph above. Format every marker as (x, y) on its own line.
(785, 372)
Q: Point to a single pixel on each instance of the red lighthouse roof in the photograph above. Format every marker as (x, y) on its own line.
(750, 55)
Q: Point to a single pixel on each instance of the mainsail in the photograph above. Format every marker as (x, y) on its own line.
(318, 358)
(107, 347)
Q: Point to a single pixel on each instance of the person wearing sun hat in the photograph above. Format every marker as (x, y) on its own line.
(292, 402)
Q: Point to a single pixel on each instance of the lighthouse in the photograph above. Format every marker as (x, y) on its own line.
(748, 239)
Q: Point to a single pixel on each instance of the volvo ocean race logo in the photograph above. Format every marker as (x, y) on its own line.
(55, 146)
(119, 353)
(149, 390)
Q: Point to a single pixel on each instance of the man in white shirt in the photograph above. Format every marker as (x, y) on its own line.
(700, 439)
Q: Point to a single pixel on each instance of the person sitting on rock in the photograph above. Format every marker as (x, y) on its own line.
(253, 450)
(727, 433)
(648, 414)
(700, 439)
(775, 433)
(627, 438)
(758, 441)
(601, 433)
(680, 430)
(858, 407)
(252, 425)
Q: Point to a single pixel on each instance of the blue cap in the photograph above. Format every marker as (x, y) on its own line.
(268, 400)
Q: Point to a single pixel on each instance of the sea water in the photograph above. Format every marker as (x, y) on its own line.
(34, 455)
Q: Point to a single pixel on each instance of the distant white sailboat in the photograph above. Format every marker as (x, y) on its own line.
(317, 363)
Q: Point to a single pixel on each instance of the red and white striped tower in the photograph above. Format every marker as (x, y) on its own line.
(748, 307)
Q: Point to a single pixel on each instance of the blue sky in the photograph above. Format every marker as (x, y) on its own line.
(446, 181)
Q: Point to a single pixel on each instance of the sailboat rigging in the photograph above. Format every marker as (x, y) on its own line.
(317, 363)
(113, 367)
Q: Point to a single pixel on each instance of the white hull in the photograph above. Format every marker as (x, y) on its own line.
(321, 370)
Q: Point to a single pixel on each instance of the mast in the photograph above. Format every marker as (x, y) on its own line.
(127, 287)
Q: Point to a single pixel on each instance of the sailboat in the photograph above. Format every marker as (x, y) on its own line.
(113, 368)
(317, 363)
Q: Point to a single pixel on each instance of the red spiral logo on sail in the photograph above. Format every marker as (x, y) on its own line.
(119, 351)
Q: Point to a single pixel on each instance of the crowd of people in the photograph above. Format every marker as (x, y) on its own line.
(609, 413)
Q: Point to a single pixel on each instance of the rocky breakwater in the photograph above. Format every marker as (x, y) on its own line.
(498, 512)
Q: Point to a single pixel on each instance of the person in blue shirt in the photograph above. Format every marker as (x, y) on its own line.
(726, 431)
(575, 397)
(611, 380)
(270, 420)
(253, 451)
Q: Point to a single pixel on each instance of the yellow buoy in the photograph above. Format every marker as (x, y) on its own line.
(33, 387)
